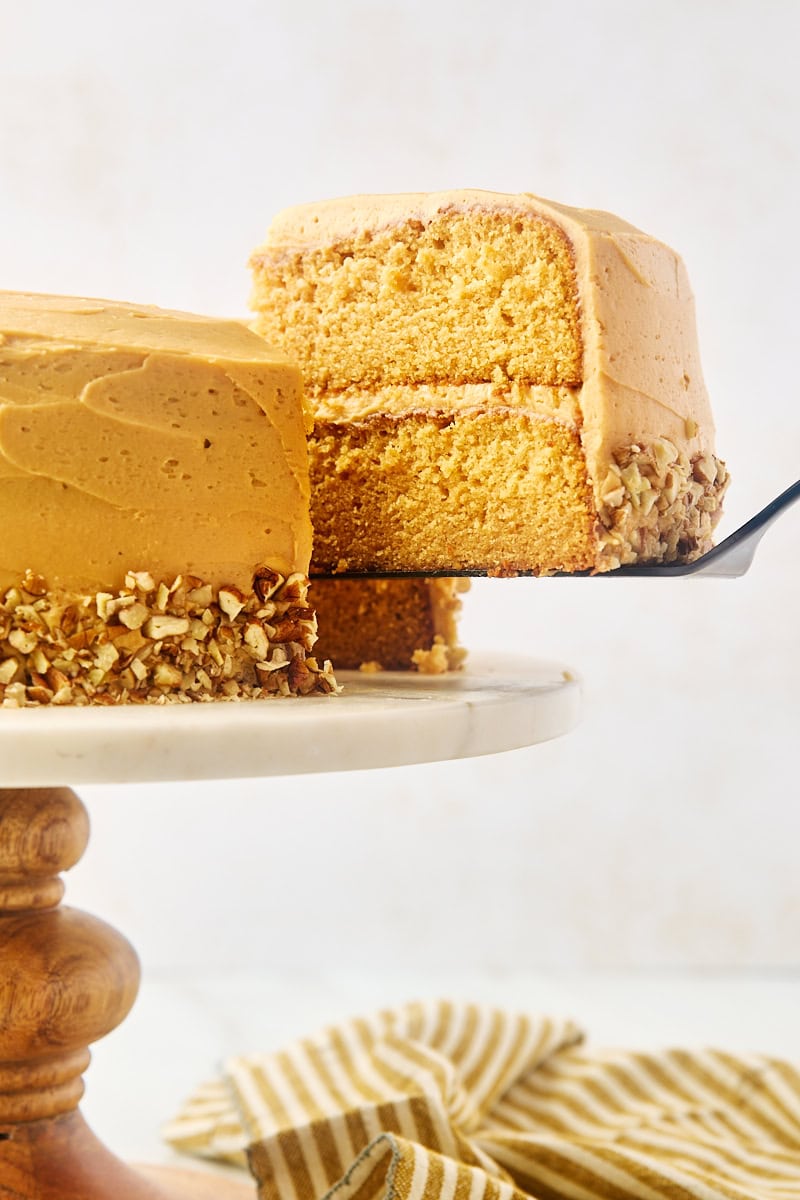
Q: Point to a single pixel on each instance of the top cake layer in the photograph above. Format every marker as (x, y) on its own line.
(480, 288)
(137, 438)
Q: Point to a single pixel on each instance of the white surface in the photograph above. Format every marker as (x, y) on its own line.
(385, 719)
(184, 1026)
(143, 156)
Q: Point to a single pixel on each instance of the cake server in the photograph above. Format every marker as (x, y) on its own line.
(730, 559)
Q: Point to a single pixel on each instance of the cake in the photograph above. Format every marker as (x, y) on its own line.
(154, 501)
(389, 624)
(497, 384)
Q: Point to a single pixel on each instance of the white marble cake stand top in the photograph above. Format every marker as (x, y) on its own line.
(385, 719)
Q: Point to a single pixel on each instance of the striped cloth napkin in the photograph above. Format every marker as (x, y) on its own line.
(445, 1101)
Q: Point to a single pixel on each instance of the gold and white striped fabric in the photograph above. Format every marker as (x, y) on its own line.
(445, 1101)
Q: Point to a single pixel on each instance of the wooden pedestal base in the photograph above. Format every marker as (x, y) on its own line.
(66, 979)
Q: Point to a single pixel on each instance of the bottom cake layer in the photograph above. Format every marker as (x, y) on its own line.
(450, 491)
(156, 643)
(499, 491)
(391, 624)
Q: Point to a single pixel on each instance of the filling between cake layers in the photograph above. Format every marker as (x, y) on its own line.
(496, 384)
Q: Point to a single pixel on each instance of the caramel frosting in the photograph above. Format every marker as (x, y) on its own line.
(398, 400)
(137, 438)
(641, 369)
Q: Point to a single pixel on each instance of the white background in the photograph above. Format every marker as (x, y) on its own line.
(144, 149)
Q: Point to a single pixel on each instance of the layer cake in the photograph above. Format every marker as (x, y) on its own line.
(154, 502)
(497, 383)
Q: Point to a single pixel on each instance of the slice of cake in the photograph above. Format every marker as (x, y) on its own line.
(497, 383)
(390, 624)
(154, 507)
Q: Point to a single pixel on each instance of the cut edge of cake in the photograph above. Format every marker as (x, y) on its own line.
(633, 432)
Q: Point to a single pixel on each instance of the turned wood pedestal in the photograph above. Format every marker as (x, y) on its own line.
(66, 979)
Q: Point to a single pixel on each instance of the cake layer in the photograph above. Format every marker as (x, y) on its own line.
(131, 437)
(457, 297)
(501, 492)
(391, 624)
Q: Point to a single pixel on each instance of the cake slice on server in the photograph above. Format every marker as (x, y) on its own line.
(497, 384)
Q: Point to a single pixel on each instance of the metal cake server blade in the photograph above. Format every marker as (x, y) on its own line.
(730, 559)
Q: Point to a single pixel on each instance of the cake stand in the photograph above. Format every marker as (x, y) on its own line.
(67, 978)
